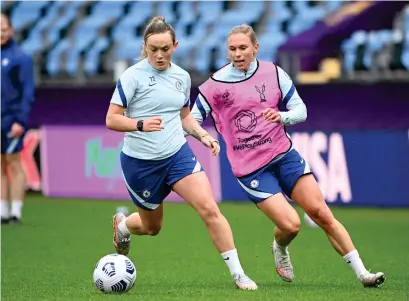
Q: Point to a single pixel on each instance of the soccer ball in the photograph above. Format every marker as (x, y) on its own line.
(114, 273)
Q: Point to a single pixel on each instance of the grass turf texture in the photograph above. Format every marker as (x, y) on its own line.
(51, 256)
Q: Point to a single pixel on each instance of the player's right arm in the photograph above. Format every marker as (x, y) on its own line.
(123, 94)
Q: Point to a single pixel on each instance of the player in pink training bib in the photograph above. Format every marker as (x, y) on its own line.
(243, 98)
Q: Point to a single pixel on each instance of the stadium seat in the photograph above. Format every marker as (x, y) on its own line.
(349, 49)
(53, 64)
(92, 58)
(74, 34)
(127, 25)
(26, 12)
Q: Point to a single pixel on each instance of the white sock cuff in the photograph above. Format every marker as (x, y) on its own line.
(4, 209)
(123, 228)
(351, 254)
(229, 253)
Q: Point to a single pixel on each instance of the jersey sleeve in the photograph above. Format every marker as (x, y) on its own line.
(287, 87)
(297, 111)
(26, 77)
(125, 90)
(187, 92)
(200, 109)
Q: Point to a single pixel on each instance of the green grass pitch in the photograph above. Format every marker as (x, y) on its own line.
(51, 256)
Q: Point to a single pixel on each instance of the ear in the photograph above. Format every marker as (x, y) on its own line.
(175, 45)
(255, 49)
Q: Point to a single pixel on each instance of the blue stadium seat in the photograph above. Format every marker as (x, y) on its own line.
(130, 49)
(269, 44)
(126, 28)
(209, 11)
(246, 12)
(53, 64)
(92, 58)
(33, 44)
(165, 8)
(374, 44)
(186, 12)
(69, 14)
(280, 10)
(26, 12)
(333, 5)
(349, 48)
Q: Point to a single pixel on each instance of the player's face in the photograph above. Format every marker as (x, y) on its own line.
(241, 50)
(6, 30)
(160, 48)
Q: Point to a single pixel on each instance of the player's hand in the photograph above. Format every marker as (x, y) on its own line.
(211, 143)
(16, 130)
(153, 124)
(271, 115)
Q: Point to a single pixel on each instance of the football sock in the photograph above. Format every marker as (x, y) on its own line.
(16, 207)
(231, 258)
(4, 209)
(355, 262)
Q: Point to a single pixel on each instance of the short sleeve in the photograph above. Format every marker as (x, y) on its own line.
(125, 90)
(187, 91)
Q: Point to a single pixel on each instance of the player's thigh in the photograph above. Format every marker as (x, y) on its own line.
(188, 180)
(289, 169)
(277, 209)
(145, 181)
(14, 162)
(152, 219)
(307, 194)
(195, 189)
(3, 164)
(265, 191)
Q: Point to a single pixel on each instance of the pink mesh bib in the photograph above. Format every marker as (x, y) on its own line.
(251, 141)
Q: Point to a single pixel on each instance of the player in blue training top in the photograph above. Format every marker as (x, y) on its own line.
(17, 96)
(151, 104)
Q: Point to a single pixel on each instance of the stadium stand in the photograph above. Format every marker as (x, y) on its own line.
(82, 39)
(378, 53)
(76, 35)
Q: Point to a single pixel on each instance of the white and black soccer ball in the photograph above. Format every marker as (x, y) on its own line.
(114, 273)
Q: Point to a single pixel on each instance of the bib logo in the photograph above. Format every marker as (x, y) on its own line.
(245, 121)
(227, 97)
(261, 91)
(332, 174)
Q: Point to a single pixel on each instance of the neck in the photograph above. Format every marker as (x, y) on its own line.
(167, 67)
(7, 44)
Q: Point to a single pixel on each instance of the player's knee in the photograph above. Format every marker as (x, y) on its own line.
(322, 216)
(292, 227)
(154, 230)
(209, 212)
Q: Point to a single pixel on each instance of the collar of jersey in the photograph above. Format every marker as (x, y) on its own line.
(249, 72)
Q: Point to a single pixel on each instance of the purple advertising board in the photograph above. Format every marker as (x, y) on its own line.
(83, 161)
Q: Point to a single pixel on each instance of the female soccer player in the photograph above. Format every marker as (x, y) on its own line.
(243, 99)
(151, 104)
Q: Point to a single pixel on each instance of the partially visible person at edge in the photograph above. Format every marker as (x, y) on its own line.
(17, 96)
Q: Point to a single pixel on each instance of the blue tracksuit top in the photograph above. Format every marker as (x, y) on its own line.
(17, 85)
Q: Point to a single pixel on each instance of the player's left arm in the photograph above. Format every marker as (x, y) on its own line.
(297, 111)
(26, 79)
(192, 127)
